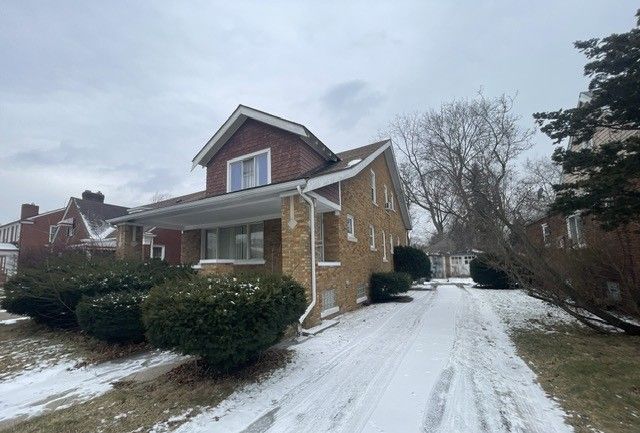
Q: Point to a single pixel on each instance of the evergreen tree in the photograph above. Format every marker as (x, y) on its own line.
(606, 181)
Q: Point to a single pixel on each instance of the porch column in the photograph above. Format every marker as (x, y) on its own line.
(296, 243)
(129, 242)
(190, 247)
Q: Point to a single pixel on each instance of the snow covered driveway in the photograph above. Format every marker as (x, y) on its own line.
(442, 363)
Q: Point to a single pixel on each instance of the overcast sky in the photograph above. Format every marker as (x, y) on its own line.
(119, 96)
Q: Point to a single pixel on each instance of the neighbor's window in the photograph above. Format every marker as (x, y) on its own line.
(52, 233)
(329, 299)
(574, 230)
(351, 227)
(386, 196)
(157, 252)
(361, 291)
(545, 233)
(391, 243)
(372, 237)
(249, 171)
(235, 243)
(374, 198)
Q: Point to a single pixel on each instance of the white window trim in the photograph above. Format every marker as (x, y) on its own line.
(386, 194)
(391, 243)
(162, 256)
(351, 236)
(249, 156)
(372, 238)
(330, 264)
(545, 234)
(361, 299)
(384, 247)
(329, 312)
(374, 188)
(52, 233)
(232, 261)
(203, 245)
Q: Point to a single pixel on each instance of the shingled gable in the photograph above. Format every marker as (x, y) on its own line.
(238, 118)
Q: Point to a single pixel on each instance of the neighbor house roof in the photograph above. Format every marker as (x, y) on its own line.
(94, 215)
(237, 119)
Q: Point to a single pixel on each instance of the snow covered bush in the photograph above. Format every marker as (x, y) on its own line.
(486, 274)
(385, 285)
(227, 320)
(114, 317)
(50, 292)
(412, 261)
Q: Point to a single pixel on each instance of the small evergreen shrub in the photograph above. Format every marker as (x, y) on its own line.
(412, 261)
(227, 320)
(114, 317)
(50, 292)
(485, 274)
(385, 285)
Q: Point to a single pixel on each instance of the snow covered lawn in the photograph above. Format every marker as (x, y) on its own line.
(442, 363)
(62, 385)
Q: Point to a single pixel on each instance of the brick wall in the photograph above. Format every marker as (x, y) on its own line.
(129, 242)
(171, 240)
(190, 247)
(34, 238)
(357, 260)
(290, 156)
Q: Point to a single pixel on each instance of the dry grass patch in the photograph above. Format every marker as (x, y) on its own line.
(596, 377)
(26, 345)
(158, 405)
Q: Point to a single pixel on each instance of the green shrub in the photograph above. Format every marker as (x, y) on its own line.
(114, 317)
(412, 261)
(50, 292)
(227, 320)
(485, 274)
(385, 285)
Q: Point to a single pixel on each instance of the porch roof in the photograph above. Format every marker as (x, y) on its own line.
(238, 207)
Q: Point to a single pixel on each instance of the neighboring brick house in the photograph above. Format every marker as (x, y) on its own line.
(25, 237)
(578, 231)
(278, 200)
(84, 226)
(81, 225)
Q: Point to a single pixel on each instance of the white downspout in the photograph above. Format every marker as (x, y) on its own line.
(312, 221)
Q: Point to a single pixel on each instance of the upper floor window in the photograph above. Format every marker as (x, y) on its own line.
(374, 197)
(52, 233)
(249, 171)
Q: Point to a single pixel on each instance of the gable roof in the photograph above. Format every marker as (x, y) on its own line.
(237, 119)
(94, 215)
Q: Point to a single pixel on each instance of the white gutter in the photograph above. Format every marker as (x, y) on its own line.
(312, 221)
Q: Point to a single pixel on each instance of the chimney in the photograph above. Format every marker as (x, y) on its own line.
(28, 210)
(93, 196)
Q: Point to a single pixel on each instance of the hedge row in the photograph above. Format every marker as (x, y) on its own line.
(386, 285)
(114, 318)
(50, 293)
(227, 320)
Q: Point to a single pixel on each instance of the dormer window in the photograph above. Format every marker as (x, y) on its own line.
(249, 171)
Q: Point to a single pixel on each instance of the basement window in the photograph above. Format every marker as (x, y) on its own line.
(249, 171)
(329, 303)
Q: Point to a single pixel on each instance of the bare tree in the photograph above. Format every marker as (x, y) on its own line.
(447, 154)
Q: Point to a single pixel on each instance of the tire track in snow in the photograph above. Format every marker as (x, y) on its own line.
(488, 387)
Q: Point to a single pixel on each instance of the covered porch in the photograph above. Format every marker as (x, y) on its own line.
(260, 229)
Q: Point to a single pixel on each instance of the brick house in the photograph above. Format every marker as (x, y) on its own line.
(81, 225)
(278, 200)
(575, 232)
(25, 237)
(84, 226)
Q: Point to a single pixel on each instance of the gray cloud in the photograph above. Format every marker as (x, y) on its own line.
(119, 96)
(350, 101)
